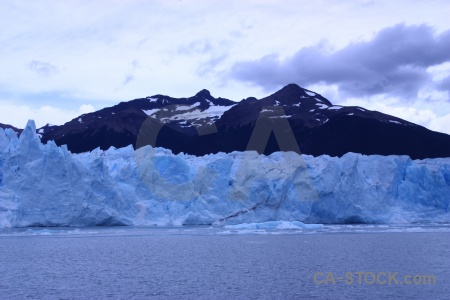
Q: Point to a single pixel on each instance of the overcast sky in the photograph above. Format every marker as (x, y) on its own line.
(59, 59)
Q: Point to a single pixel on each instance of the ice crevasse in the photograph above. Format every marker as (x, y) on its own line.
(46, 185)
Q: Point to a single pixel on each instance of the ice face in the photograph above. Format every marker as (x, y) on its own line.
(46, 185)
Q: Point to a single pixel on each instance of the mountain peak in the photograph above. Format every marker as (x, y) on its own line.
(292, 93)
(203, 93)
(291, 89)
(293, 86)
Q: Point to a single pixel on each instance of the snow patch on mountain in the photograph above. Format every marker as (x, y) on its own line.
(186, 107)
(321, 105)
(150, 112)
(190, 113)
(216, 110)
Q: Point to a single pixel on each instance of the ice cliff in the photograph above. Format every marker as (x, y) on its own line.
(46, 185)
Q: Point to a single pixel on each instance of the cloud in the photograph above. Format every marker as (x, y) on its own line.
(130, 77)
(441, 124)
(445, 84)
(83, 51)
(394, 61)
(18, 115)
(433, 115)
(42, 68)
(86, 108)
(195, 47)
(208, 67)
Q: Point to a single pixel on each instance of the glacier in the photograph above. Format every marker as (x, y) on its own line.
(46, 185)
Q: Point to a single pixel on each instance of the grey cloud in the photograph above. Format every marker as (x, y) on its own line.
(394, 61)
(212, 55)
(42, 68)
(209, 66)
(142, 42)
(198, 47)
(445, 84)
(129, 77)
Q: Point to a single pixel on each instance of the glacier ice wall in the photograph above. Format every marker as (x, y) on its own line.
(46, 185)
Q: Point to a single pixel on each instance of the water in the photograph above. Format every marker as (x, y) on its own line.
(215, 263)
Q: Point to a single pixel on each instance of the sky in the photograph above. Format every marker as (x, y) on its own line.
(60, 59)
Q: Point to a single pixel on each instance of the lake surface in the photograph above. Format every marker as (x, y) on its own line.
(218, 263)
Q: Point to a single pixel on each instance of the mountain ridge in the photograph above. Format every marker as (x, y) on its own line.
(291, 119)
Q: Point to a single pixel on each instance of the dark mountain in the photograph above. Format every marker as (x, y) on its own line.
(119, 125)
(4, 126)
(292, 119)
